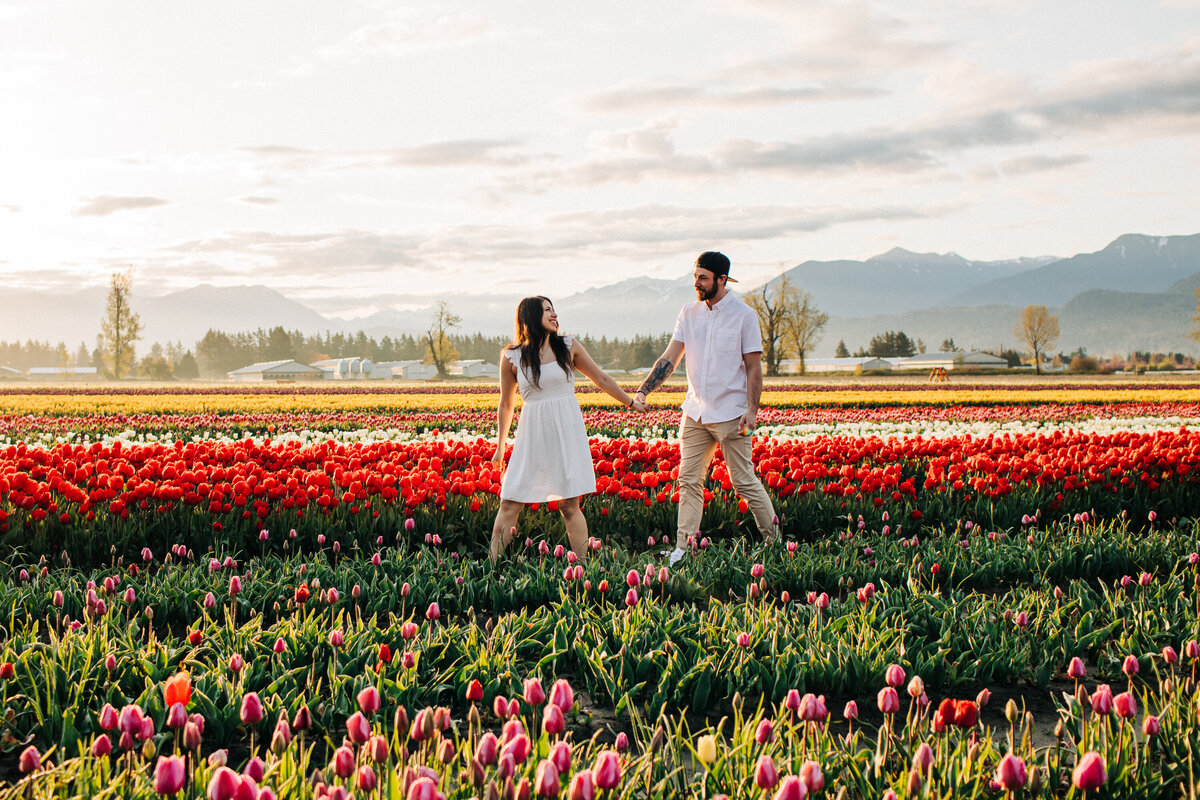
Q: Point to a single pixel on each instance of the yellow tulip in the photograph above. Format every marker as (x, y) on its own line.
(706, 748)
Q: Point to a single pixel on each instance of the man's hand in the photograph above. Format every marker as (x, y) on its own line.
(639, 406)
(746, 423)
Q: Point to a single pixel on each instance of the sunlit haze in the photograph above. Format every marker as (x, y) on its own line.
(359, 155)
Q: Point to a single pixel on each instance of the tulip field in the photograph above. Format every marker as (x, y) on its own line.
(283, 592)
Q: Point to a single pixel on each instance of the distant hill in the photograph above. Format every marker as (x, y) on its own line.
(1135, 293)
(897, 280)
(1132, 263)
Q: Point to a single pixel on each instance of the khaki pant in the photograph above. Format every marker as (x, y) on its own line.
(698, 443)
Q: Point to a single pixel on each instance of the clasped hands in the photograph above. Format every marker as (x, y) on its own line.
(639, 405)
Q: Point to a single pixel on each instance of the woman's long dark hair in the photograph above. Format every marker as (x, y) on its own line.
(530, 335)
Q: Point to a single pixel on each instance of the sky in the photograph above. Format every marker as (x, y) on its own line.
(362, 154)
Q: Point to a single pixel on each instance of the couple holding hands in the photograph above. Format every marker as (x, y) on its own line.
(551, 459)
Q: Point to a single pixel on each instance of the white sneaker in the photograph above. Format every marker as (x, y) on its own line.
(676, 556)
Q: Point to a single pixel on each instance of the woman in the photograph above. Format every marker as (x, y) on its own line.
(551, 459)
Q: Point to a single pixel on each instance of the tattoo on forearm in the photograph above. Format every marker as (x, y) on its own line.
(662, 370)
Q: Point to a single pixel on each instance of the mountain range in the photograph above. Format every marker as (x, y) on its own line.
(1136, 293)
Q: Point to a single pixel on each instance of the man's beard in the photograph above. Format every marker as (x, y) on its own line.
(707, 294)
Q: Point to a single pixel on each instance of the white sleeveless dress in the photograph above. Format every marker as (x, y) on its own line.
(551, 458)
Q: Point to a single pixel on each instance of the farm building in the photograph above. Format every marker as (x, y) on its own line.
(352, 369)
(412, 370)
(10, 374)
(852, 364)
(288, 370)
(955, 360)
(64, 374)
(474, 368)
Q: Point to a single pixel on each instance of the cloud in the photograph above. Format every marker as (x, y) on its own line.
(657, 96)
(10, 208)
(257, 200)
(456, 153)
(1026, 165)
(405, 31)
(312, 255)
(105, 204)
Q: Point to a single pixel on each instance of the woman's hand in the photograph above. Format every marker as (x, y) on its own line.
(498, 460)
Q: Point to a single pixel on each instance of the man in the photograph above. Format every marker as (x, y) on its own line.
(720, 336)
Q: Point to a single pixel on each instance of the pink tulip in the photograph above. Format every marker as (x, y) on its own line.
(1151, 725)
(743, 640)
(519, 747)
(236, 662)
(1125, 705)
(607, 770)
(252, 709)
(812, 776)
(894, 675)
(1192, 649)
(621, 742)
(408, 631)
(560, 756)
(765, 775)
(358, 728)
(1131, 666)
(255, 769)
(633, 579)
(177, 716)
(791, 788)
(553, 722)
(487, 749)
(1169, 655)
(1076, 669)
(534, 694)
(888, 700)
(108, 718)
(1011, 773)
(30, 760)
(336, 639)
(1102, 699)
(378, 748)
(280, 646)
(365, 779)
(547, 781)
(562, 695)
(916, 687)
(583, 786)
(147, 731)
(631, 598)
(764, 732)
(235, 588)
(850, 712)
(224, 784)
(792, 701)
(423, 788)
(1091, 771)
(102, 746)
(756, 571)
(343, 762)
(131, 719)
(433, 612)
(923, 758)
(368, 700)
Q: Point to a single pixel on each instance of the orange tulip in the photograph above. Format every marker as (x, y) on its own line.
(178, 689)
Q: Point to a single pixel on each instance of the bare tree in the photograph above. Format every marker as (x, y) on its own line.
(120, 326)
(1038, 330)
(773, 304)
(439, 350)
(804, 325)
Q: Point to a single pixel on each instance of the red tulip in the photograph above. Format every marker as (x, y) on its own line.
(607, 770)
(280, 646)
(966, 713)
(169, 774)
(765, 776)
(474, 691)
(1091, 771)
(102, 746)
(7, 671)
(252, 709)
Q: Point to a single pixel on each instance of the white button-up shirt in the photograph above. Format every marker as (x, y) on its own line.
(714, 340)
